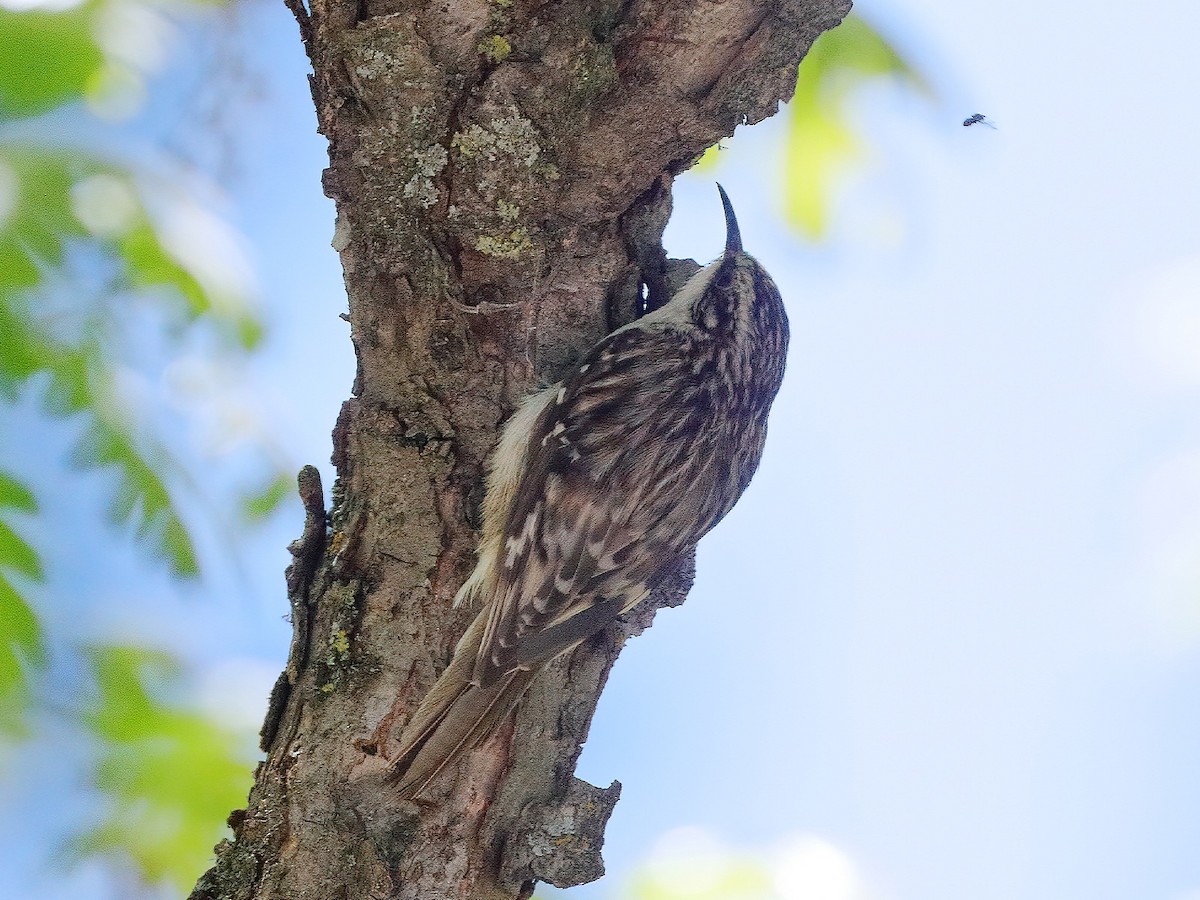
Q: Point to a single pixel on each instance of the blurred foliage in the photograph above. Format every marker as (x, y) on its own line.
(88, 268)
(260, 505)
(695, 864)
(21, 643)
(820, 141)
(171, 776)
(726, 877)
(79, 378)
(30, 39)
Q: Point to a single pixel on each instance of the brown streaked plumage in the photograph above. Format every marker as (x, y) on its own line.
(599, 485)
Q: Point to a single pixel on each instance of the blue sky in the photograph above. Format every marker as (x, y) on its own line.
(953, 628)
(964, 587)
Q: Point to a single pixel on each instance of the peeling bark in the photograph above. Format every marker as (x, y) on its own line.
(502, 173)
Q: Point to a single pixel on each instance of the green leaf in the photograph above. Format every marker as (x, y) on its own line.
(17, 555)
(171, 775)
(47, 60)
(15, 495)
(17, 270)
(820, 144)
(40, 219)
(261, 505)
(34, 233)
(70, 388)
(150, 265)
(249, 329)
(125, 712)
(19, 627)
(141, 499)
(21, 645)
(21, 350)
(820, 141)
(177, 545)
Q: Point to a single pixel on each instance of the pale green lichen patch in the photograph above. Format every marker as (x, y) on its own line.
(505, 246)
(508, 211)
(431, 160)
(420, 187)
(339, 646)
(373, 62)
(508, 136)
(496, 48)
(422, 190)
(502, 157)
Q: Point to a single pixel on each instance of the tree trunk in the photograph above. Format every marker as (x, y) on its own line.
(502, 172)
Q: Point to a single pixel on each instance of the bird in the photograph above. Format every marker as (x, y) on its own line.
(599, 486)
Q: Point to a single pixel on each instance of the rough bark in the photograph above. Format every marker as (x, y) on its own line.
(502, 173)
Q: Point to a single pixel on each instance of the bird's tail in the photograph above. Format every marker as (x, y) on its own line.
(454, 717)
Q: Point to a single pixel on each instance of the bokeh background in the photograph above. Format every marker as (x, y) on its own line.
(946, 648)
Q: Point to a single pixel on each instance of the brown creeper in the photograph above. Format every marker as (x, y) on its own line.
(598, 487)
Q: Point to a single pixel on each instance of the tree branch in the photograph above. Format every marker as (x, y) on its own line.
(513, 159)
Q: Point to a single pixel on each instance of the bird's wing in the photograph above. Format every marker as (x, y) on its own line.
(581, 546)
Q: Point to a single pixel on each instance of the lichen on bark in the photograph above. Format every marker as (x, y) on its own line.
(502, 174)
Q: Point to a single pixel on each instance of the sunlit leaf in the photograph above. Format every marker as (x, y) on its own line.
(17, 555)
(47, 59)
(820, 145)
(15, 495)
(20, 632)
(124, 711)
(708, 159)
(141, 499)
(40, 220)
(21, 635)
(262, 504)
(57, 193)
(855, 45)
(150, 265)
(723, 878)
(820, 140)
(20, 646)
(170, 774)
